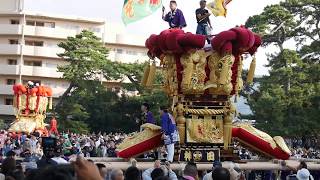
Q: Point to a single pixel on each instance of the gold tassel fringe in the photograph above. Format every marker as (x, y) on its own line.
(152, 75)
(251, 71)
(145, 75)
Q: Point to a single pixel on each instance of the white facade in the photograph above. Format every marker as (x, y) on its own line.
(28, 48)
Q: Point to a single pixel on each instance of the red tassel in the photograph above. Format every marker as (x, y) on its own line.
(27, 111)
(18, 102)
(37, 105)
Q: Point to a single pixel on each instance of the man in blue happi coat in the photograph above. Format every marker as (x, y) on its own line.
(174, 17)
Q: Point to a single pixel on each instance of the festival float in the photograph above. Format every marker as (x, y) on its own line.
(201, 81)
(30, 105)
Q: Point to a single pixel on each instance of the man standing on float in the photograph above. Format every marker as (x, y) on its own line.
(204, 24)
(169, 130)
(175, 17)
(147, 116)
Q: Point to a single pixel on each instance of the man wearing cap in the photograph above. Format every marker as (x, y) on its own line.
(302, 171)
(304, 174)
(175, 17)
(202, 16)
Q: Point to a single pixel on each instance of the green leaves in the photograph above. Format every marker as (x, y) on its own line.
(90, 105)
(86, 57)
(286, 101)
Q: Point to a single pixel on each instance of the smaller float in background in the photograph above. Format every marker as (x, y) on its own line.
(30, 104)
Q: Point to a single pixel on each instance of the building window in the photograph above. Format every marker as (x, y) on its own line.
(51, 65)
(34, 43)
(14, 21)
(13, 41)
(30, 23)
(8, 101)
(29, 43)
(131, 52)
(11, 81)
(39, 23)
(38, 43)
(37, 63)
(32, 63)
(95, 29)
(119, 51)
(12, 62)
(50, 24)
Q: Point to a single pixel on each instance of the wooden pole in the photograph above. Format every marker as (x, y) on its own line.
(267, 165)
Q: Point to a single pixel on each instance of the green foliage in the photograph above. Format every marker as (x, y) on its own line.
(87, 105)
(79, 127)
(86, 57)
(286, 101)
(2, 124)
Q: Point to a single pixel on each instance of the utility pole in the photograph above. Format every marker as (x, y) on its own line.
(22, 43)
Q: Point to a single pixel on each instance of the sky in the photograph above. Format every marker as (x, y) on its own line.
(110, 11)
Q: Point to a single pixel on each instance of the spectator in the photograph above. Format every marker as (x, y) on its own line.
(60, 172)
(8, 166)
(221, 173)
(304, 174)
(102, 170)
(190, 172)
(216, 164)
(11, 154)
(146, 175)
(132, 173)
(33, 143)
(156, 173)
(7, 147)
(116, 174)
(112, 150)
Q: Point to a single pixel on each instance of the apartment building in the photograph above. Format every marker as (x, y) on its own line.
(28, 48)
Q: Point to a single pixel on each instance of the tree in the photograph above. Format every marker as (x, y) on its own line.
(87, 105)
(285, 101)
(86, 58)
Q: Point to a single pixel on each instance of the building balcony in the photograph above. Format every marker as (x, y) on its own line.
(6, 89)
(6, 110)
(9, 49)
(10, 29)
(59, 33)
(42, 51)
(14, 49)
(9, 69)
(40, 31)
(126, 58)
(30, 71)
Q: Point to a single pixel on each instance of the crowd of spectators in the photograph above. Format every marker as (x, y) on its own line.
(304, 147)
(87, 145)
(81, 169)
(23, 157)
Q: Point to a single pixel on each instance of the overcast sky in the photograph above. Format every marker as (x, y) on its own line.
(110, 11)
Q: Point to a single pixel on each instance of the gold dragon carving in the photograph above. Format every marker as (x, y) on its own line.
(220, 74)
(194, 74)
(170, 84)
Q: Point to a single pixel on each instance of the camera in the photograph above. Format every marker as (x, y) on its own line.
(50, 147)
